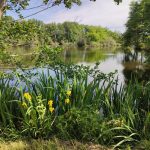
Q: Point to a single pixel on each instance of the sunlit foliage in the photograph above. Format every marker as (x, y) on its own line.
(138, 25)
(34, 32)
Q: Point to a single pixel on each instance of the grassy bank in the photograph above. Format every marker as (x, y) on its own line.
(74, 102)
(56, 144)
(53, 144)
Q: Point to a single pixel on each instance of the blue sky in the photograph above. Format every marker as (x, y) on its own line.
(102, 12)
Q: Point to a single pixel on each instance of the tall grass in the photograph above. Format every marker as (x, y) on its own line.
(78, 102)
(8, 109)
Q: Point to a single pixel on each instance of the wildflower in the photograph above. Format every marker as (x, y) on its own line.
(67, 101)
(27, 96)
(50, 103)
(24, 105)
(68, 93)
(117, 122)
(51, 109)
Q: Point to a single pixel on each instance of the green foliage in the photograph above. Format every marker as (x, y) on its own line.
(143, 145)
(33, 32)
(7, 108)
(36, 119)
(22, 33)
(138, 32)
(89, 125)
(80, 124)
(49, 55)
(75, 102)
(4, 57)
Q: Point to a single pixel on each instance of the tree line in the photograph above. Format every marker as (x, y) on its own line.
(34, 32)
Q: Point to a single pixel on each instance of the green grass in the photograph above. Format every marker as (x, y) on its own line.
(143, 145)
(98, 110)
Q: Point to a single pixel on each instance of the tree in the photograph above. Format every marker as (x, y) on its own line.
(138, 25)
(18, 5)
(34, 32)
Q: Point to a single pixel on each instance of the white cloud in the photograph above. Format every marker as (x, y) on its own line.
(102, 12)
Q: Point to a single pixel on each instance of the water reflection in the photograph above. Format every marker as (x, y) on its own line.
(83, 55)
(129, 64)
(21, 50)
(136, 65)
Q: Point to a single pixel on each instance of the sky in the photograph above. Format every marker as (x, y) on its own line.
(105, 13)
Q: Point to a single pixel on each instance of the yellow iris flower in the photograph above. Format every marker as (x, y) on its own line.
(27, 96)
(68, 93)
(67, 101)
(51, 109)
(50, 103)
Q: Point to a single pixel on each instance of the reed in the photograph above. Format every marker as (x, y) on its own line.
(76, 102)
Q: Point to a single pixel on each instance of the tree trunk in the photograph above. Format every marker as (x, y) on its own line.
(2, 5)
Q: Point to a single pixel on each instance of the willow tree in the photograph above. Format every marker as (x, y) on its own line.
(18, 5)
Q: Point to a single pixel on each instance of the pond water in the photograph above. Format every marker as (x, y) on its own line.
(127, 64)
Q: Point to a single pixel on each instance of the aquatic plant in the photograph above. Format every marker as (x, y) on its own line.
(76, 102)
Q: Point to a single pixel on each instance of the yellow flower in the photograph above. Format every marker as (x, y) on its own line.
(51, 109)
(50, 103)
(24, 105)
(67, 101)
(68, 93)
(27, 96)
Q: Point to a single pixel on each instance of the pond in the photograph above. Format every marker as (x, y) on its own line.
(127, 64)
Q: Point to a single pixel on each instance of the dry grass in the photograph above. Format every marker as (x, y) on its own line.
(19, 145)
(54, 144)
